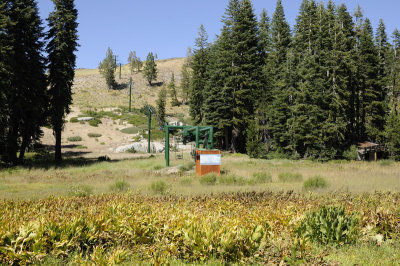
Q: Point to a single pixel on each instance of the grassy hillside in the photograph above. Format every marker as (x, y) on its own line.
(90, 90)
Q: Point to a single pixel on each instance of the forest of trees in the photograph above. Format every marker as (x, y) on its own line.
(35, 90)
(312, 91)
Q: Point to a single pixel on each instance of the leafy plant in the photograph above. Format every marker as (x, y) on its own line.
(351, 153)
(131, 150)
(95, 122)
(80, 191)
(290, 177)
(329, 225)
(315, 182)
(74, 120)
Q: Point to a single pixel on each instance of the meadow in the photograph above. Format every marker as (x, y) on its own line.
(258, 211)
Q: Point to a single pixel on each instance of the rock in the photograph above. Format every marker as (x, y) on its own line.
(88, 118)
(141, 146)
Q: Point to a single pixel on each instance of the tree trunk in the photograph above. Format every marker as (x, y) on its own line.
(24, 145)
(57, 134)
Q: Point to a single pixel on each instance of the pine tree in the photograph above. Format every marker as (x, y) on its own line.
(281, 68)
(107, 68)
(26, 96)
(186, 76)
(4, 73)
(61, 48)
(161, 104)
(199, 65)
(373, 94)
(394, 75)
(172, 89)
(150, 69)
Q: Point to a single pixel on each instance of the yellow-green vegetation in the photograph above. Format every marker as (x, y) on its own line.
(236, 227)
(137, 211)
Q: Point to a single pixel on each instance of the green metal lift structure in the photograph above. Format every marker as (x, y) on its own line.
(201, 135)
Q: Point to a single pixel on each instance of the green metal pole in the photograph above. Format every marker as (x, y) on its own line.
(197, 137)
(130, 94)
(167, 146)
(120, 70)
(148, 144)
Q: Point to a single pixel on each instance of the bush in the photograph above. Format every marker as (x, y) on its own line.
(329, 225)
(74, 120)
(81, 147)
(315, 182)
(232, 180)
(208, 179)
(351, 153)
(94, 135)
(130, 130)
(290, 177)
(186, 181)
(120, 186)
(159, 187)
(158, 167)
(95, 122)
(187, 167)
(80, 191)
(74, 138)
(261, 177)
(131, 150)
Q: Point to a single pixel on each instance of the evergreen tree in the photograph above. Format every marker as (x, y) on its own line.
(161, 104)
(392, 134)
(26, 94)
(394, 75)
(186, 76)
(107, 68)
(61, 48)
(199, 65)
(373, 94)
(134, 62)
(172, 89)
(150, 69)
(4, 73)
(281, 68)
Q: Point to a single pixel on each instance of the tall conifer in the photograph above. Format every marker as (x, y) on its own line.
(61, 49)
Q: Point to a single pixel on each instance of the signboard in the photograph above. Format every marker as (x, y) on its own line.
(210, 159)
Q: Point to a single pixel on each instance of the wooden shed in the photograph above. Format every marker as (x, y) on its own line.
(369, 151)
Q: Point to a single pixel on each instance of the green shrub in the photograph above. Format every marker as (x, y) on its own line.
(95, 122)
(120, 186)
(130, 130)
(386, 162)
(80, 191)
(315, 182)
(329, 225)
(208, 179)
(158, 167)
(74, 120)
(232, 179)
(186, 181)
(290, 177)
(159, 187)
(131, 150)
(351, 153)
(94, 135)
(187, 167)
(261, 177)
(81, 147)
(74, 138)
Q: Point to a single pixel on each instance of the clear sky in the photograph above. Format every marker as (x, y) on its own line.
(169, 27)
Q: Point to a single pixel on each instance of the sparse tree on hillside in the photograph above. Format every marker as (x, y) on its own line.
(61, 48)
(161, 104)
(172, 89)
(150, 69)
(186, 77)
(134, 62)
(107, 68)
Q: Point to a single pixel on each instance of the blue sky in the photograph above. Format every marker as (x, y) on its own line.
(169, 27)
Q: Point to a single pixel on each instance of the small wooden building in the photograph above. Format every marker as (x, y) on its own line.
(369, 151)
